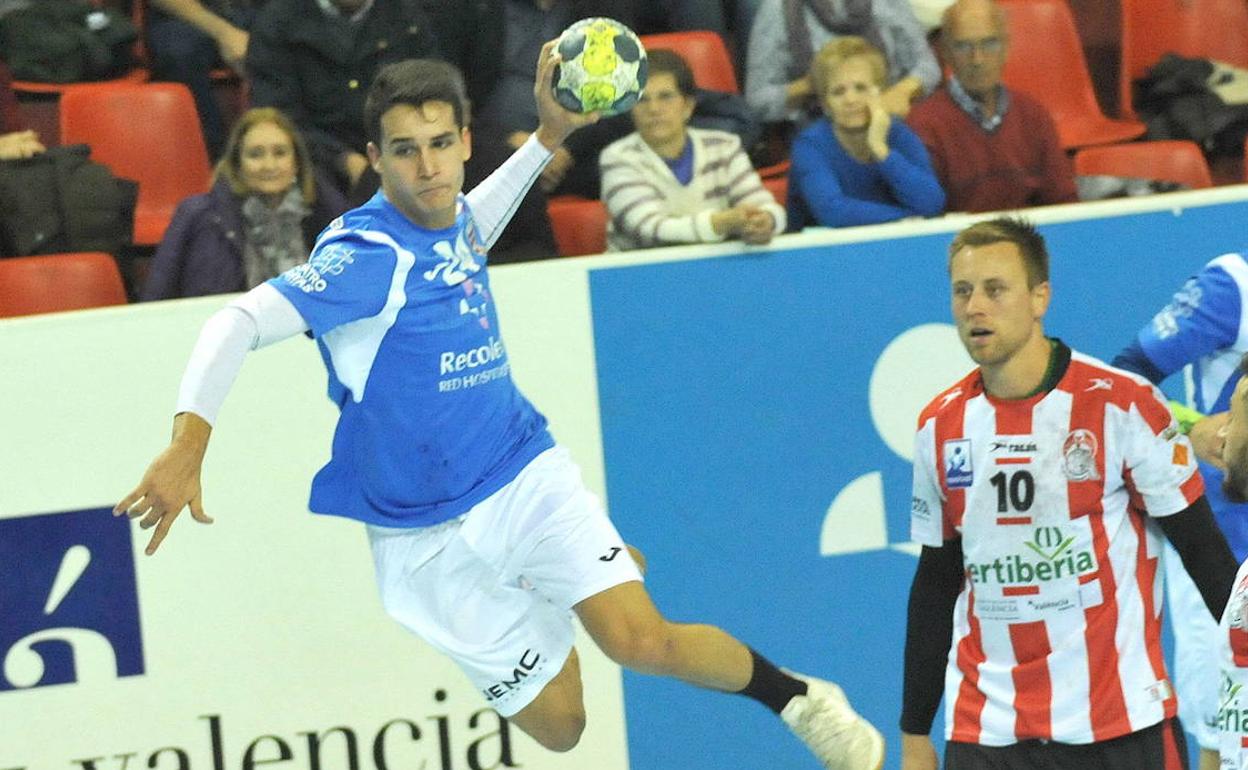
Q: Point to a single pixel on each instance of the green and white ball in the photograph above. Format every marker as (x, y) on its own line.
(603, 67)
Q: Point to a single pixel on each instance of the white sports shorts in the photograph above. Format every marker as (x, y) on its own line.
(494, 589)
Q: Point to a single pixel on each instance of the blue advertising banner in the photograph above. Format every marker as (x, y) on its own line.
(70, 607)
(757, 413)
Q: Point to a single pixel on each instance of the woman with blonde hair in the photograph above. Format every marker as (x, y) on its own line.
(859, 166)
(260, 218)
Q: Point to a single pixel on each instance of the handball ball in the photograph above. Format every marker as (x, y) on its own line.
(603, 67)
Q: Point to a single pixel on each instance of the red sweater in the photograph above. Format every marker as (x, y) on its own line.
(1020, 164)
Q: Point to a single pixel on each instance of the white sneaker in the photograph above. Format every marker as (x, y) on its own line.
(831, 729)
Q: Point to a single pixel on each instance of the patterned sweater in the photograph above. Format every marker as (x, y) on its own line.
(649, 207)
(1020, 164)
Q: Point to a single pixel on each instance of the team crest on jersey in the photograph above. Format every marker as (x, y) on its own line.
(456, 263)
(1079, 455)
(958, 470)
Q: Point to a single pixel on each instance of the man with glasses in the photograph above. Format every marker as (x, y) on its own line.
(992, 148)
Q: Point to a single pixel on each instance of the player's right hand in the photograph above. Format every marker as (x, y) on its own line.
(171, 483)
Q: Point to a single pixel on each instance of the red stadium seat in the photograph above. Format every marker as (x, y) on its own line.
(52, 282)
(580, 225)
(706, 55)
(1046, 62)
(1167, 161)
(1211, 29)
(147, 132)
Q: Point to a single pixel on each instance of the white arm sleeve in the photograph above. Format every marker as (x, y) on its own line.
(495, 200)
(260, 317)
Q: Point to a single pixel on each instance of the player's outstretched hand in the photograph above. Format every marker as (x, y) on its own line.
(555, 122)
(171, 482)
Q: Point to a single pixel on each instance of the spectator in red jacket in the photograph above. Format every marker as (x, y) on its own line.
(15, 143)
(991, 147)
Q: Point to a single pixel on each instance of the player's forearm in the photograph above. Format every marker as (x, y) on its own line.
(1204, 552)
(494, 201)
(1134, 359)
(929, 633)
(260, 317)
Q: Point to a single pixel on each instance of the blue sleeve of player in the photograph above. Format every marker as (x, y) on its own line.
(1202, 317)
(346, 278)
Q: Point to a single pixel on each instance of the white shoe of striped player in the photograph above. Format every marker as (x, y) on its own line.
(831, 729)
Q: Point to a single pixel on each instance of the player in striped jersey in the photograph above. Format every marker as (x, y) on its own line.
(1202, 326)
(1043, 481)
(1232, 695)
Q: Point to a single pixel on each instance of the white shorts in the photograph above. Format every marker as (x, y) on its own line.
(494, 588)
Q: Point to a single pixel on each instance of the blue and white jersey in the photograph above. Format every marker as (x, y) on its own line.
(1205, 325)
(430, 421)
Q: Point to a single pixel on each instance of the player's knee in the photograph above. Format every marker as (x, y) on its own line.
(646, 648)
(561, 732)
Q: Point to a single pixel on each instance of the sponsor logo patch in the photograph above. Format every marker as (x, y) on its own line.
(958, 471)
(71, 607)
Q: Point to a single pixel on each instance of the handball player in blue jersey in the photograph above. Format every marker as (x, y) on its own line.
(1204, 326)
(484, 538)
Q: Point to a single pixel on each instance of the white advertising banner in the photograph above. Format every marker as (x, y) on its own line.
(257, 641)
(757, 410)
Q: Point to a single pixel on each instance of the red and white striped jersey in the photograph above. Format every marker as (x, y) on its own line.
(1057, 630)
(1233, 697)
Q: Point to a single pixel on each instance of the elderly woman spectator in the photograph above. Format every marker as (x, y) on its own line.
(260, 218)
(859, 166)
(787, 33)
(668, 183)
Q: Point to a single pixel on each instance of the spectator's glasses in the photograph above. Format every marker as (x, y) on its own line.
(986, 45)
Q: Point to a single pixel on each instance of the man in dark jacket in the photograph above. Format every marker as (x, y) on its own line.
(314, 60)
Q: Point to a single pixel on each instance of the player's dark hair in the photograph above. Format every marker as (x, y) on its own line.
(1015, 230)
(414, 82)
(663, 60)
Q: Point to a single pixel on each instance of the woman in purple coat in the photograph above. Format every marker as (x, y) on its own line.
(260, 218)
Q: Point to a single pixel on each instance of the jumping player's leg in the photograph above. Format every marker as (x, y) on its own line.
(571, 556)
(629, 629)
(626, 625)
(556, 717)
